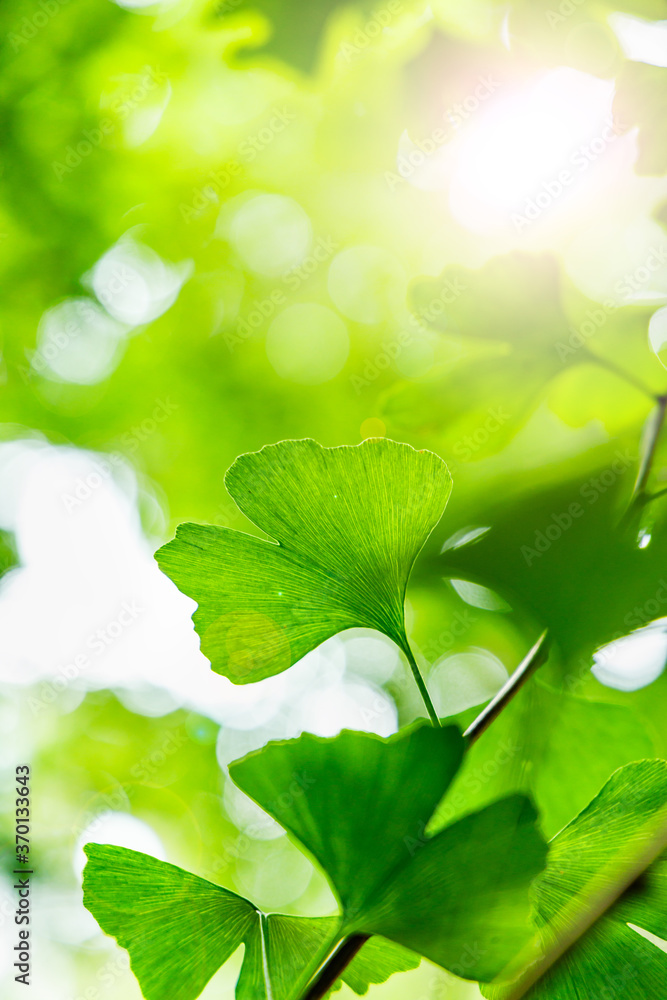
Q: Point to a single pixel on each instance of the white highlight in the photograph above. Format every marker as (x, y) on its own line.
(635, 660)
(88, 608)
(641, 41)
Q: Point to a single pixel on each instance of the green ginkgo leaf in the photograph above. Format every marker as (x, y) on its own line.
(587, 859)
(180, 929)
(345, 527)
(361, 809)
(511, 318)
(553, 746)
(515, 298)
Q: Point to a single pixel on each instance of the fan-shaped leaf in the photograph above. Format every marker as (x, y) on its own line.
(460, 897)
(592, 854)
(180, 929)
(347, 524)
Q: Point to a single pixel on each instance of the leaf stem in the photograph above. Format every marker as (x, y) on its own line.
(320, 959)
(621, 373)
(578, 917)
(654, 427)
(335, 965)
(538, 655)
(423, 690)
(650, 497)
(338, 959)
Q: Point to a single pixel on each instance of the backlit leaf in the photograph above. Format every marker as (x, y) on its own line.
(345, 524)
(179, 929)
(460, 897)
(594, 852)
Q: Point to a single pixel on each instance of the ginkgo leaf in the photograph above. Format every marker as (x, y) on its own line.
(554, 746)
(180, 929)
(592, 854)
(511, 317)
(345, 527)
(460, 898)
(478, 406)
(515, 298)
(558, 554)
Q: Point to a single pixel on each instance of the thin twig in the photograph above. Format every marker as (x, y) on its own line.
(653, 428)
(342, 955)
(650, 497)
(581, 916)
(335, 965)
(537, 656)
(653, 435)
(621, 373)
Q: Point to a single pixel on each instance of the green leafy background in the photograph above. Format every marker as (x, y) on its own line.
(194, 113)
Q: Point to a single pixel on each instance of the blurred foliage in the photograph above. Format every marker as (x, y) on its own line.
(121, 888)
(156, 134)
(7, 552)
(641, 99)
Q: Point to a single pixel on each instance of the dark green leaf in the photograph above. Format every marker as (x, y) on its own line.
(553, 746)
(361, 808)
